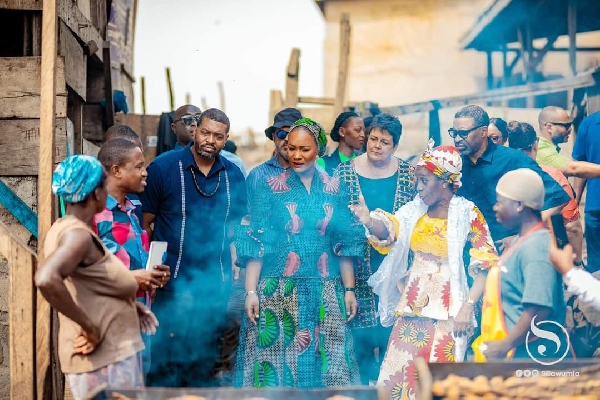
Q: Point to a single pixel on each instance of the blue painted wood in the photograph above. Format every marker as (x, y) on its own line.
(19, 209)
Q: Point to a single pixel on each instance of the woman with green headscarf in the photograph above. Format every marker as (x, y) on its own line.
(94, 293)
(299, 252)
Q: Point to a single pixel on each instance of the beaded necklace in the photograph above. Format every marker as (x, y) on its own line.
(198, 187)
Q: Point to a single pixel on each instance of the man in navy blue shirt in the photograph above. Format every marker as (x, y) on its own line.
(587, 148)
(484, 163)
(194, 198)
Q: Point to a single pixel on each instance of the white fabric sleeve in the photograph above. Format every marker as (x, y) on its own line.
(584, 285)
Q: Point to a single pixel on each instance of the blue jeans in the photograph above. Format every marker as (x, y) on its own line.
(592, 239)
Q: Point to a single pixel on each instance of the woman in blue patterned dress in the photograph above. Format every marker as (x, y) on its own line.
(299, 251)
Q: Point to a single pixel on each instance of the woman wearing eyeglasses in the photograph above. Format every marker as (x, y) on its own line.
(349, 131)
(387, 183)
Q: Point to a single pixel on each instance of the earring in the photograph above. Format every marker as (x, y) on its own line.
(445, 185)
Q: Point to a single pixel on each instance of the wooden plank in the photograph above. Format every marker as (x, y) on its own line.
(21, 4)
(291, 81)
(36, 34)
(85, 8)
(89, 148)
(20, 141)
(109, 106)
(93, 127)
(572, 28)
(144, 125)
(98, 17)
(20, 88)
(75, 60)
(325, 101)
(21, 300)
(582, 80)
(46, 167)
(221, 96)
(275, 104)
(82, 27)
(342, 77)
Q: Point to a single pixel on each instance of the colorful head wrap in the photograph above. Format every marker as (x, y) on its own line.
(76, 177)
(444, 162)
(316, 129)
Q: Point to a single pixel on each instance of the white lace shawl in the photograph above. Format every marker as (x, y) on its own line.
(394, 266)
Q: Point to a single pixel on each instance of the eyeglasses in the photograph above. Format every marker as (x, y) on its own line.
(566, 125)
(187, 120)
(281, 134)
(464, 133)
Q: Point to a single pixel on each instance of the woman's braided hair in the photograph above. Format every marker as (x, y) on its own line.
(316, 129)
(339, 122)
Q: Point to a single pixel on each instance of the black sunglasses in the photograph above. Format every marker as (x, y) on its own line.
(463, 134)
(566, 125)
(189, 119)
(281, 134)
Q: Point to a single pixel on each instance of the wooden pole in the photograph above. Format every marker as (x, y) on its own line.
(21, 317)
(188, 98)
(46, 168)
(221, 96)
(275, 104)
(143, 87)
(170, 87)
(292, 79)
(109, 108)
(342, 80)
(572, 27)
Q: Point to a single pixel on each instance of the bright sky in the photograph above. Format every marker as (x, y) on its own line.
(245, 44)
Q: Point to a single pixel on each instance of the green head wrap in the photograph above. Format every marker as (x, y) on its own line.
(316, 129)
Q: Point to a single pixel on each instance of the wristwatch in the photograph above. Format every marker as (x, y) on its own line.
(350, 289)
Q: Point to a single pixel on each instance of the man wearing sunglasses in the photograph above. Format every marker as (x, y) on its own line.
(184, 125)
(484, 163)
(555, 128)
(279, 162)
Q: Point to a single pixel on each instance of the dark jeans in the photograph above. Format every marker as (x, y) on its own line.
(366, 340)
(592, 240)
(184, 350)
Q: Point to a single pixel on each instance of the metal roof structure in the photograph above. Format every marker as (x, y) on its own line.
(499, 25)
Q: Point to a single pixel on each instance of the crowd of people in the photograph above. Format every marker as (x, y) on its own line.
(316, 270)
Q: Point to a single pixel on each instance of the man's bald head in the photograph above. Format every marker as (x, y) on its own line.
(187, 109)
(551, 114)
(185, 129)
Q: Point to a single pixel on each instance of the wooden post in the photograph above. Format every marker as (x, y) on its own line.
(109, 109)
(21, 317)
(434, 127)
(572, 27)
(143, 88)
(221, 96)
(291, 80)
(188, 98)
(170, 87)
(275, 104)
(46, 167)
(342, 79)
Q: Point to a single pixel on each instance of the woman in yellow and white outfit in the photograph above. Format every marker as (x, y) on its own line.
(422, 283)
